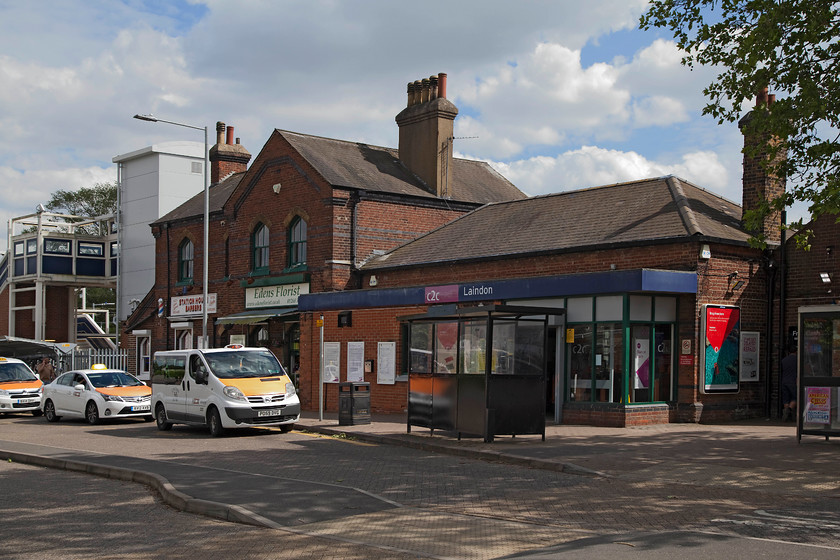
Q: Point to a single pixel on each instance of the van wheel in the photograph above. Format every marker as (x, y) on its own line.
(215, 423)
(92, 413)
(160, 416)
(49, 412)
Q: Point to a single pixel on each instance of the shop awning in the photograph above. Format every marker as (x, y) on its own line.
(256, 316)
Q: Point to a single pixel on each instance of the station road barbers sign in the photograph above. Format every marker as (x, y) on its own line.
(281, 295)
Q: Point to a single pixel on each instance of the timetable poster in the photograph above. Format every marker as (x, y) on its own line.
(721, 352)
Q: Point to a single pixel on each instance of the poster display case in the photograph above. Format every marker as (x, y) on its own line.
(818, 357)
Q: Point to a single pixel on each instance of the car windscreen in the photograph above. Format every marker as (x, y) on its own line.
(113, 379)
(244, 363)
(13, 371)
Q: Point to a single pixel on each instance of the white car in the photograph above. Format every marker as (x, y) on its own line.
(20, 388)
(97, 393)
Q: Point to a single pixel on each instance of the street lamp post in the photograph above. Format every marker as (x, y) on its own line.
(205, 265)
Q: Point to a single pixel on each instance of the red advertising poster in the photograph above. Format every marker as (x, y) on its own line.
(721, 355)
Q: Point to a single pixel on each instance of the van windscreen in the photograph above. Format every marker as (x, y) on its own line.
(244, 363)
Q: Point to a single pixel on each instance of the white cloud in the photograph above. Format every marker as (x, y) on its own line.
(591, 166)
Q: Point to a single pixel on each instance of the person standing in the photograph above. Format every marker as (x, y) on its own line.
(789, 365)
(45, 369)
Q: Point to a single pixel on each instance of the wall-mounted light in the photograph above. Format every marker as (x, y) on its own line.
(705, 252)
(372, 282)
(825, 277)
(730, 287)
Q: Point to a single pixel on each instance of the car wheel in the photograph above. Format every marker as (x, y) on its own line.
(92, 413)
(37, 412)
(160, 416)
(215, 423)
(286, 428)
(49, 412)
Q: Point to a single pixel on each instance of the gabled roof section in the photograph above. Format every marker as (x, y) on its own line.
(634, 213)
(219, 195)
(354, 165)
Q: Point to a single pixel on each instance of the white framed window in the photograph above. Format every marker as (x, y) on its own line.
(184, 339)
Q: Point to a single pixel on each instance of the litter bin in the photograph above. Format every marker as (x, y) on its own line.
(353, 403)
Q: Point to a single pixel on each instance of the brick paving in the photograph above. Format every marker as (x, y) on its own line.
(438, 497)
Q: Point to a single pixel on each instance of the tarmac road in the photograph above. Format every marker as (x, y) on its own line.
(335, 497)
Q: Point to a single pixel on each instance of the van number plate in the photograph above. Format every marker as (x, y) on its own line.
(269, 412)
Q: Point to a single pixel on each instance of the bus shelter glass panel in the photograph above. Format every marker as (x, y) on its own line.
(473, 347)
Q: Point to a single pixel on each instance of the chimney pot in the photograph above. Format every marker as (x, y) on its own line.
(229, 135)
(410, 91)
(442, 85)
(237, 140)
(771, 99)
(761, 98)
(424, 96)
(433, 87)
(220, 131)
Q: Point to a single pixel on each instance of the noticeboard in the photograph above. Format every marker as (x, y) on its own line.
(818, 363)
(720, 355)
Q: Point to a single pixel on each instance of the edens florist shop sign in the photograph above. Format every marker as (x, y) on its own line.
(281, 295)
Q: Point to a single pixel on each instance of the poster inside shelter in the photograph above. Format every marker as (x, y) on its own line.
(721, 354)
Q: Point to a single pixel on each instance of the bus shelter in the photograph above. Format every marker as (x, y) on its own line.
(479, 371)
(818, 387)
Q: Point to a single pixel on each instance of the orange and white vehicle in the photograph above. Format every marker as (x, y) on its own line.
(231, 387)
(96, 393)
(20, 388)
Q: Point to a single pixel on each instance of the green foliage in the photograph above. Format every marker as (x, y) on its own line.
(791, 47)
(89, 202)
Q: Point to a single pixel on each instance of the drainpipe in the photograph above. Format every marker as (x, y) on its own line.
(782, 302)
(168, 284)
(769, 266)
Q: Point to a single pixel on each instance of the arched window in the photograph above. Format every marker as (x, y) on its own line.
(297, 243)
(259, 245)
(185, 261)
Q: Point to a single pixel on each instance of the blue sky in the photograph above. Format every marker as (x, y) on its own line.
(556, 94)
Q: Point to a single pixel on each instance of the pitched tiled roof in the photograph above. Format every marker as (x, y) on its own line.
(373, 168)
(219, 194)
(651, 210)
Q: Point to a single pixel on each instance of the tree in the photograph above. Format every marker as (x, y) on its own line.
(791, 47)
(88, 202)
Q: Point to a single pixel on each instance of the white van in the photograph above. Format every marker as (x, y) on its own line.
(231, 387)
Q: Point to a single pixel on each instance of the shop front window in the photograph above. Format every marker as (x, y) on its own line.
(663, 362)
(580, 364)
(609, 362)
(640, 372)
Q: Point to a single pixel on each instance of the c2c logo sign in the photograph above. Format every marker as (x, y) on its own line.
(441, 294)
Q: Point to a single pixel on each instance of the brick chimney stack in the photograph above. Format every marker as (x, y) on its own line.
(758, 184)
(226, 158)
(426, 130)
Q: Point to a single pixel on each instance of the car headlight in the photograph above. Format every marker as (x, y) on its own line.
(114, 398)
(4, 393)
(290, 389)
(233, 393)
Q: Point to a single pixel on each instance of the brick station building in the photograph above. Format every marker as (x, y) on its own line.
(647, 273)
(666, 313)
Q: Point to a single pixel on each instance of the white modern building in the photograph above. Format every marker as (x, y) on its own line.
(152, 181)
